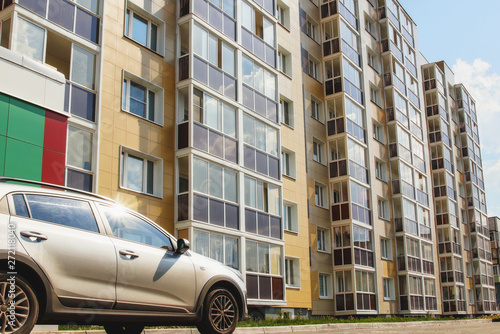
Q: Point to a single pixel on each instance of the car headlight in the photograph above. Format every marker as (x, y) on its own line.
(236, 271)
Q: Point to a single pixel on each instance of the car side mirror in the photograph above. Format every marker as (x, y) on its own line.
(182, 246)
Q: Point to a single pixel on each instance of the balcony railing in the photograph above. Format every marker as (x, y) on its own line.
(214, 77)
(351, 53)
(394, 114)
(413, 98)
(357, 171)
(419, 162)
(409, 65)
(388, 45)
(422, 197)
(211, 14)
(408, 36)
(353, 91)
(258, 46)
(340, 211)
(215, 143)
(333, 86)
(331, 47)
(335, 126)
(392, 79)
(425, 232)
(261, 162)
(361, 214)
(385, 12)
(356, 131)
(398, 150)
(80, 101)
(416, 130)
(262, 223)
(338, 168)
(261, 104)
(402, 187)
(350, 17)
(329, 9)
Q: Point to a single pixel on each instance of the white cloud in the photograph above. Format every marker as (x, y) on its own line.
(484, 86)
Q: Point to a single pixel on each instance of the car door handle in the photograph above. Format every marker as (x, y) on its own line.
(129, 254)
(33, 236)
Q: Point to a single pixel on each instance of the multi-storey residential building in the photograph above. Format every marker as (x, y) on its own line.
(307, 144)
(494, 226)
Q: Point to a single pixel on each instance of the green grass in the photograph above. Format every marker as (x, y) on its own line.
(281, 321)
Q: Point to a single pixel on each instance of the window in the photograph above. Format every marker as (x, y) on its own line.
(378, 132)
(292, 272)
(319, 195)
(318, 151)
(210, 111)
(130, 227)
(371, 27)
(284, 61)
(214, 180)
(257, 23)
(262, 196)
(383, 209)
(61, 211)
(263, 258)
(311, 28)
(325, 286)
(314, 68)
(373, 61)
(144, 28)
(316, 109)
(288, 162)
(218, 53)
(258, 78)
(79, 158)
(30, 40)
(290, 216)
(141, 172)
(222, 248)
(386, 248)
(469, 269)
(142, 98)
(375, 96)
(471, 297)
(323, 236)
(380, 170)
(5, 33)
(389, 292)
(287, 115)
(283, 14)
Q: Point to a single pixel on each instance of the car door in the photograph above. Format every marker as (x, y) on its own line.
(151, 276)
(62, 235)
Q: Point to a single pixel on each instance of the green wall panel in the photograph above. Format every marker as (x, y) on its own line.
(3, 141)
(4, 114)
(26, 122)
(23, 160)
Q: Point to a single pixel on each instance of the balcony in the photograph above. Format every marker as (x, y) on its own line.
(335, 126)
(402, 187)
(215, 143)
(214, 77)
(388, 45)
(441, 163)
(385, 12)
(211, 14)
(329, 9)
(338, 168)
(358, 172)
(399, 151)
(394, 114)
(429, 84)
(435, 110)
(340, 212)
(258, 46)
(413, 97)
(350, 17)
(391, 79)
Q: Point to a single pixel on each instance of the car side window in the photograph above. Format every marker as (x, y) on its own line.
(58, 210)
(20, 206)
(127, 226)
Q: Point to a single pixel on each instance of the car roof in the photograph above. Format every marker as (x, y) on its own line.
(10, 184)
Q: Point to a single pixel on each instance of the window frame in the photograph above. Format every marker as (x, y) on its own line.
(128, 28)
(323, 240)
(379, 132)
(386, 250)
(383, 209)
(292, 165)
(293, 214)
(390, 288)
(380, 172)
(125, 152)
(291, 115)
(158, 112)
(316, 112)
(328, 285)
(286, 66)
(323, 188)
(319, 147)
(295, 261)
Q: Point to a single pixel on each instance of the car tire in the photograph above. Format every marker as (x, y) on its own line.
(220, 313)
(26, 310)
(124, 329)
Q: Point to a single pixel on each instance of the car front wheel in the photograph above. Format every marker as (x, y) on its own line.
(124, 329)
(18, 305)
(220, 313)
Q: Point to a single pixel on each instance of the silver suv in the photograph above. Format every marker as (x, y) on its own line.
(72, 257)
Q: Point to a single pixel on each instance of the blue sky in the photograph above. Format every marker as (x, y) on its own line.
(465, 34)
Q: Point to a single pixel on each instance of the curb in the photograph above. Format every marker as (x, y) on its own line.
(296, 329)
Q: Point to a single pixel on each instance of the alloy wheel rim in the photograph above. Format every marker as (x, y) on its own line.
(21, 308)
(222, 313)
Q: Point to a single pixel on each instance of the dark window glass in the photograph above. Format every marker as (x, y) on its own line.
(37, 6)
(154, 37)
(215, 78)
(277, 288)
(200, 208)
(215, 17)
(231, 150)
(263, 224)
(274, 168)
(87, 25)
(216, 143)
(200, 137)
(20, 206)
(82, 103)
(265, 287)
(182, 207)
(232, 217)
(250, 221)
(253, 286)
(62, 211)
(62, 13)
(276, 227)
(249, 157)
(150, 178)
(182, 135)
(216, 212)
(129, 227)
(151, 106)
(261, 159)
(79, 180)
